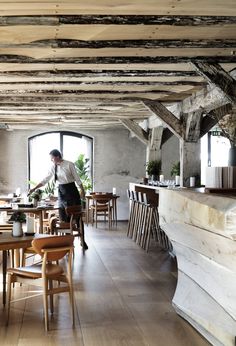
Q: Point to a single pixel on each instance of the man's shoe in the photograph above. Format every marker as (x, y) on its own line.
(85, 247)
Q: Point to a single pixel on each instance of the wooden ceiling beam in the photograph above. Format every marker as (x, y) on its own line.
(175, 20)
(193, 126)
(136, 130)
(216, 75)
(212, 118)
(147, 44)
(63, 98)
(168, 118)
(99, 73)
(118, 59)
(99, 84)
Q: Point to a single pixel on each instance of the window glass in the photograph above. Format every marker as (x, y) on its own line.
(218, 156)
(71, 147)
(39, 148)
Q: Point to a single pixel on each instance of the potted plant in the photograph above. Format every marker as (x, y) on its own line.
(82, 167)
(18, 217)
(153, 168)
(36, 196)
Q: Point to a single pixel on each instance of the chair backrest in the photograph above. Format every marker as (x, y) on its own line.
(102, 198)
(53, 242)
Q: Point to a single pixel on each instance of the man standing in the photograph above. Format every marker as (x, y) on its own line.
(65, 175)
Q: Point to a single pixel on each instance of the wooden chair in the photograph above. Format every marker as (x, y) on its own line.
(102, 206)
(51, 248)
(8, 228)
(75, 213)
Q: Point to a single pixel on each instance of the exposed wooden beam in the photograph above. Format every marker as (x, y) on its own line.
(91, 92)
(177, 20)
(99, 84)
(98, 73)
(216, 75)
(147, 44)
(62, 98)
(212, 118)
(166, 135)
(193, 124)
(168, 118)
(156, 137)
(117, 60)
(136, 129)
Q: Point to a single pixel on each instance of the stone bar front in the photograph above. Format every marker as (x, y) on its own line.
(202, 229)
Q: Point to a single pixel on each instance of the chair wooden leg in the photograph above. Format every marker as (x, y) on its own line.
(71, 291)
(12, 263)
(9, 281)
(51, 296)
(45, 303)
(96, 219)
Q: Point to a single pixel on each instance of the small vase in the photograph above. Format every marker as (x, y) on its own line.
(17, 230)
(35, 203)
(177, 180)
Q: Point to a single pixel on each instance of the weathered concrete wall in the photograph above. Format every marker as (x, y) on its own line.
(13, 160)
(118, 160)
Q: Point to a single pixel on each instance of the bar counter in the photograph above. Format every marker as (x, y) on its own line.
(202, 230)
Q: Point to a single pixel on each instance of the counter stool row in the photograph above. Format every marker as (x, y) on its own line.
(143, 221)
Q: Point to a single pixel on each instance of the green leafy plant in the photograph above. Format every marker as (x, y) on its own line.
(49, 188)
(47, 191)
(153, 167)
(175, 170)
(37, 195)
(82, 167)
(18, 216)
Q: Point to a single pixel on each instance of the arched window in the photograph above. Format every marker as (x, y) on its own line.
(70, 144)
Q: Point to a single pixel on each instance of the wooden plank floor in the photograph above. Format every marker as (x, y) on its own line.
(123, 297)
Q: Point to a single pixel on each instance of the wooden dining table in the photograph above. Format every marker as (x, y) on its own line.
(38, 211)
(8, 242)
(114, 207)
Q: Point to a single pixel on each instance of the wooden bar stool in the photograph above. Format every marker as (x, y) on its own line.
(141, 217)
(133, 213)
(144, 242)
(136, 214)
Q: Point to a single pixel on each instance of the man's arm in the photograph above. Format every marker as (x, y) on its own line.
(43, 182)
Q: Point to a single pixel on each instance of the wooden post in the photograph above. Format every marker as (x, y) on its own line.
(154, 144)
(190, 161)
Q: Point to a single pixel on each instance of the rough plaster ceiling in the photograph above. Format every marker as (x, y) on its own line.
(89, 64)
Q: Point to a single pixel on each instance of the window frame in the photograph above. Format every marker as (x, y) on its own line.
(61, 135)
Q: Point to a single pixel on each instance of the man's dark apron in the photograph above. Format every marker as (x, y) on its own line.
(68, 195)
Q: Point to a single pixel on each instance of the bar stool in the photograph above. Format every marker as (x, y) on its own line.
(148, 222)
(138, 215)
(142, 224)
(133, 212)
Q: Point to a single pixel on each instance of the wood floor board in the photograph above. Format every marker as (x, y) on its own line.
(122, 294)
